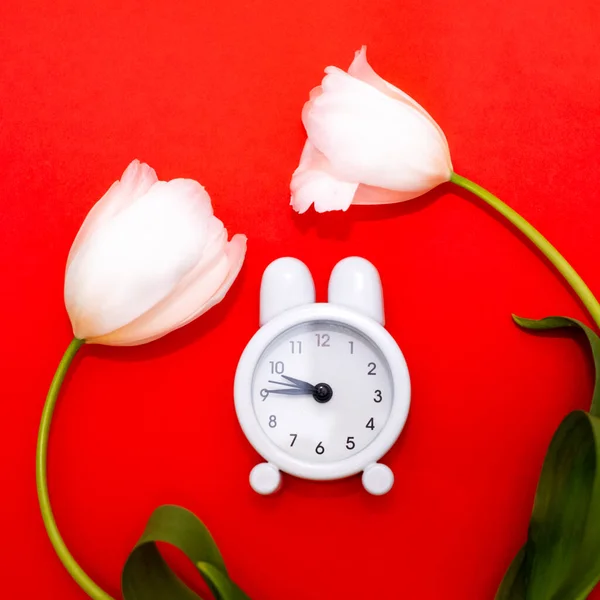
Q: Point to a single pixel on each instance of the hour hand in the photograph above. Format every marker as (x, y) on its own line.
(298, 382)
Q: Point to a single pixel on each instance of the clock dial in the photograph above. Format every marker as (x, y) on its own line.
(322, 391)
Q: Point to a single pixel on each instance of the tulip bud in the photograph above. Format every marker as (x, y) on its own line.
(149, 258)
(368, 143)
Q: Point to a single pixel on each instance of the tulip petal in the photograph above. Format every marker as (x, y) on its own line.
(136, 180)
(368, 194)
(371, 138)
(137, 257)
(314, 93)
(361, 69)
(236, 252)
(313, 182)
(200, 293)
(196, 288)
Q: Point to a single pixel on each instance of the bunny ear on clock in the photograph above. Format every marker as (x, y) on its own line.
(355, 283)
(286, 283)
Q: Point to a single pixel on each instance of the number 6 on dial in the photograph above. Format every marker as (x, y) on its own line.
(322, 391)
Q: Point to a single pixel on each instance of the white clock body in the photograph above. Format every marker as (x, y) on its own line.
(322, 390)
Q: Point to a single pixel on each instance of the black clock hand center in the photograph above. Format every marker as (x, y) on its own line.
(321, 392)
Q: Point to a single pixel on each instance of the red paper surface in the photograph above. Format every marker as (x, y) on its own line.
(213, 91)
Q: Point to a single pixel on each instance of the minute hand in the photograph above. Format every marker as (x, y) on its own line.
(291, 392)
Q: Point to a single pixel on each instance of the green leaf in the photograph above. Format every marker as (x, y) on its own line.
(220, 582)
(561, 558)
(514, 584)
(147, 576)
(592, 337)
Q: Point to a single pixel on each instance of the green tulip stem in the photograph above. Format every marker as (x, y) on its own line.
(41, 459)
(545, 247)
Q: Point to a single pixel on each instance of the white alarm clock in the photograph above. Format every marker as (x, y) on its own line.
(322, 390)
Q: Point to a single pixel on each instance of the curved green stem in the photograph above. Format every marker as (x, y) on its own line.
(78, 574)
(547, 249)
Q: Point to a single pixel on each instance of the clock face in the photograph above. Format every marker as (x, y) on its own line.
(322, 391)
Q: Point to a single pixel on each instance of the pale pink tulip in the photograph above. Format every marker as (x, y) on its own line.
(149, 258)
(368, 143)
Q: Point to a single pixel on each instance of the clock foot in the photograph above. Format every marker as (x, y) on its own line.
(265, 479)
(377, 479)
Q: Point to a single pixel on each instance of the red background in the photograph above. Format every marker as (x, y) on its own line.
(213, 91)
